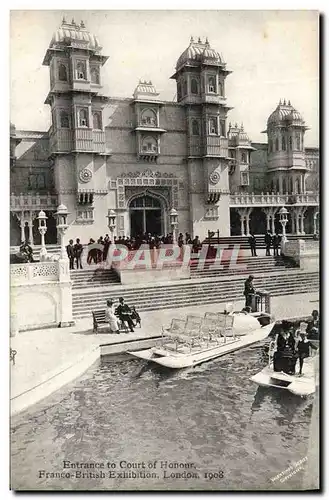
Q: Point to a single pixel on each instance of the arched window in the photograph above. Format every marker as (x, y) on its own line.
(184, 87)
(64, 120)
(195, 127)
(81, 71)
(179, 91)
(283, 143)
(290, 143)
(220, 89)
(149, 145)
(212, 84)
(62, 73)
(243, 157)
(276, 144)
(194, 86)
(149, 118)
(97, 120)
(94, 75)
(298, 141)
(213, 126)
(83, 118)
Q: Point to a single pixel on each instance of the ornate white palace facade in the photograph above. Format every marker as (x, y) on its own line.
(142, 156)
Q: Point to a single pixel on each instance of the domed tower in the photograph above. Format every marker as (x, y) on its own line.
(77, 137)
(239, 152)
(286, 153)
(200, 75)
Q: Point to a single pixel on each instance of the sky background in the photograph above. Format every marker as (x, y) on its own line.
(273, 55)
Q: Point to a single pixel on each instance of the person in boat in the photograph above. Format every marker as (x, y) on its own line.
(303, 349)
(313, 326)
(249, 290)
(111, 317)
(285, 356)
(124, 313)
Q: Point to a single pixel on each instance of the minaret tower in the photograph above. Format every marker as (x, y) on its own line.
(77, 137)
(286, 154)
(200, 76)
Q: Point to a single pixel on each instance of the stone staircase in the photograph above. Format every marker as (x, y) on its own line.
(192, 292)
(250, 265)
(243, 240)
(93, 277)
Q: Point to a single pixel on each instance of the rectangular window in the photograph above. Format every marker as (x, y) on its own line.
(223, 128)
(244, 179)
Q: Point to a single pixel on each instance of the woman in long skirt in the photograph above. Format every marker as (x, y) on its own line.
(111, 317)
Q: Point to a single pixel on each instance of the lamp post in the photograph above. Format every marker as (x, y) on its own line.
(174, 223)
(62, 226)
(283, 213)
(111, 216)
(42, 230)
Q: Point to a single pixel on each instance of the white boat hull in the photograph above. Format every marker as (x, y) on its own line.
(177, 359)
(304, 385)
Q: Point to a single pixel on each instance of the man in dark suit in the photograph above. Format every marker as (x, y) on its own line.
(276, 244)
(252, 244)
(124, 313)
(70, 253)
(78, 249)
(249, 290)
(268, 242)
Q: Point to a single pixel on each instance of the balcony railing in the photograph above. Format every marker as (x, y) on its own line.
(216, 146)
(274, 199)
(35, 201)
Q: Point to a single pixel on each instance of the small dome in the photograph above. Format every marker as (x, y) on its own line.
(76, 33)
(198, 51)
(145, 89)
(285, 112)
(62, 209)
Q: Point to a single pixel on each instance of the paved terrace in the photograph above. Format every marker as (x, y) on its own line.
(48, 359)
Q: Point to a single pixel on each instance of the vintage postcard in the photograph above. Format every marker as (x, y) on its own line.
(164, 250)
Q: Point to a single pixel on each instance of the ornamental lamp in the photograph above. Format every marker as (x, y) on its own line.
(42, 219)
(61, 216)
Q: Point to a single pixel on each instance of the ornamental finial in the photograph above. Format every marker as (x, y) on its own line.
(199, 40)
(82, 24)
(191, 39)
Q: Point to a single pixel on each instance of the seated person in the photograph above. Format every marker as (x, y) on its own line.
(135, 316)
(111, 317)
(284, 358)
(124, 313)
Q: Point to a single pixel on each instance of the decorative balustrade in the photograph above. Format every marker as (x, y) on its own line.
(33, 201)
(273, 199)
(38, 271)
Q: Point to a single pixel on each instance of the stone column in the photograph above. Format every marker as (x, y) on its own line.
(31, 232)
(248, 212)
(242, 225)
(302, 221)
(22, 223)
(280, 184)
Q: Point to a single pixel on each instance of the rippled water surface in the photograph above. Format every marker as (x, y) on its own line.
(212, 416)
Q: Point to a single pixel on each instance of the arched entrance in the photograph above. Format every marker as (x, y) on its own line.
(146, 216)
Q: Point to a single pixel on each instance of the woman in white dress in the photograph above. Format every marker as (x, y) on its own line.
(111, 317)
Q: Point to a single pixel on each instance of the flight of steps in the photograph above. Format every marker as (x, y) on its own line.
(250, 265)
(93, 277)
(192, 292)
(243, 240)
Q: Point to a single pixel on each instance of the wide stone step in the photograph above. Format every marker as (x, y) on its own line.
(195, 295)
(197, 300)
(187, 285)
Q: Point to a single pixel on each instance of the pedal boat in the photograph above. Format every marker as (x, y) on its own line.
(301, 385)
(183, 351)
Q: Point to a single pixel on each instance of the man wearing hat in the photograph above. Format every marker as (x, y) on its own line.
(124, 313)
(249, 290)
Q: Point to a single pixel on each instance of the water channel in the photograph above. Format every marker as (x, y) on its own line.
(122, 411)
